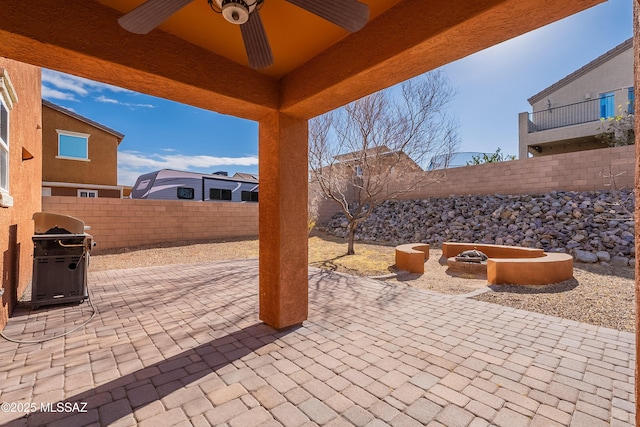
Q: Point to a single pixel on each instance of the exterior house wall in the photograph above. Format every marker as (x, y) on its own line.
(576, 171)
(100, 169)
(121, 223)
(73, 192)
(385, 163)
(397, 163)
(25, 175)
(395, 167)
(554, 112)
(616, 74)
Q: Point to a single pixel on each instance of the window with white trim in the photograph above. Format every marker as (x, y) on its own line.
(88, 193)
(73, 145)
(4, 146)
(7, 99)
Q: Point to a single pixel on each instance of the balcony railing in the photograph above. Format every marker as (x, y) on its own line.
(572, 114)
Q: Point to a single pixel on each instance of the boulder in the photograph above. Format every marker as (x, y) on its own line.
(620, 261)
(584, 256)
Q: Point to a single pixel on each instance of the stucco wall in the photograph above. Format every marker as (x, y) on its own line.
(578, 171)
(24, 183)
(614, 74)
(102, 166)
(119, 223)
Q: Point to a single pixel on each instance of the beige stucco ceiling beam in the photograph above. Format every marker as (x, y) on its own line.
(418, 36)
(83, 38)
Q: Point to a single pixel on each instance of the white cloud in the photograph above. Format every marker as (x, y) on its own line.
(170, 150)
(49, 93)
(128, 177)
(132, 164)
(140, 105)
(63, 82)
(104, 99)
(67, 87)
(79, 85)
(134, 159)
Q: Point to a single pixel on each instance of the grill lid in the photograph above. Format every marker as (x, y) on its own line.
(51, 223)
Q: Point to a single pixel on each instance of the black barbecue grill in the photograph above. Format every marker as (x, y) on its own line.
(60, 259)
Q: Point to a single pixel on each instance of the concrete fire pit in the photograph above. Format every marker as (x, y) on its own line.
(512, 265)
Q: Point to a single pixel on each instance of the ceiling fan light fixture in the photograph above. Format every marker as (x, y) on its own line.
(351, 15)
(235, 11)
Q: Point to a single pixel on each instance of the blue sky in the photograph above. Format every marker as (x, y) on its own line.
(492, 88)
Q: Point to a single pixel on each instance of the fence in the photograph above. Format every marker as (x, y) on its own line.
(120, 223)
(572, 114)
(578, 171)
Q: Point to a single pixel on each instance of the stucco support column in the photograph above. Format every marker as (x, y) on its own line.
(283, 171)
(636, 79)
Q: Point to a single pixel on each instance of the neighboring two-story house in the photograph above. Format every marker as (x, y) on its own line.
(566, 116)
(80, 156)
(381, 158)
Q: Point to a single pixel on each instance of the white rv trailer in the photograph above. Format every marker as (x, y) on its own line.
(168, 184)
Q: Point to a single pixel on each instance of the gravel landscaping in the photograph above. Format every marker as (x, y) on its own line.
(598, 294)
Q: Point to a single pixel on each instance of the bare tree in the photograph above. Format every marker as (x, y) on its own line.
(374, 149)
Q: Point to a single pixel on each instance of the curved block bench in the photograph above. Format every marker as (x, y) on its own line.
(512, 265)
(411, 257)
(550, 268)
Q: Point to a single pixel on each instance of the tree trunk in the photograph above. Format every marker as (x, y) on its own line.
(351, 233)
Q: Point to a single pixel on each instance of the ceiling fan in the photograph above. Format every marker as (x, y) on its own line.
(351, 15)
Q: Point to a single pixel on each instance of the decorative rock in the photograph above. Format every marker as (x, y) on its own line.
(593, 223)
(572, 244)
(620, 261)
(584, 256)
(579, 238)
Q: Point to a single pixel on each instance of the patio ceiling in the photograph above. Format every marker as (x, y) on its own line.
(197, 58)
(295, 34)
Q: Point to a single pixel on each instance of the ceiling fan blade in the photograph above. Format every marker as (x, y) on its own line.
(351, 15)
(150, 14)
(256, 43)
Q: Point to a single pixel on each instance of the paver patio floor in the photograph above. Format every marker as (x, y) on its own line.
(182, 345)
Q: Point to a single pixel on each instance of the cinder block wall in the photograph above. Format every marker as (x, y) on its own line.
(120, 223)
(580, 171)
